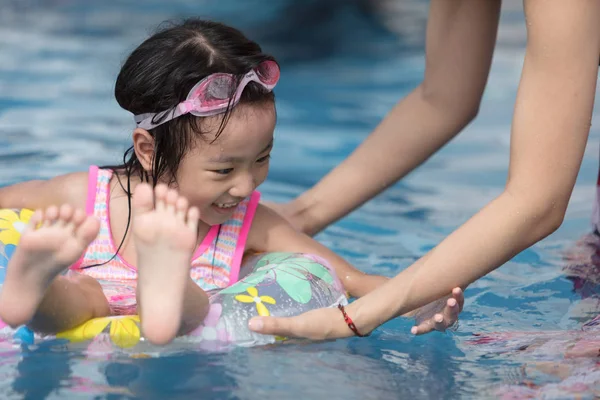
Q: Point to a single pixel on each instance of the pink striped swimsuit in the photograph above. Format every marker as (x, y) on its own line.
(215, 263)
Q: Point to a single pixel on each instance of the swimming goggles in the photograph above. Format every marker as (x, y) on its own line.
(213, 95)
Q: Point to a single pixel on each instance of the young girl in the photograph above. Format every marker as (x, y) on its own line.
(201, 95)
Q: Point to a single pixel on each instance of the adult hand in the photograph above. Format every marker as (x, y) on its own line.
(328, 323)
(429, 318)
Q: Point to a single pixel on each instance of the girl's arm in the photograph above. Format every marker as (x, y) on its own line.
(551, 123)
(459, 47)
(40, 194)
(271, 233)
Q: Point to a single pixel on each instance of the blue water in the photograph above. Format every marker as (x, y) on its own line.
(342, 70)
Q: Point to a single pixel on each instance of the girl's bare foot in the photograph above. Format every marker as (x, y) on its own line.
(165, 233)
(52, 241)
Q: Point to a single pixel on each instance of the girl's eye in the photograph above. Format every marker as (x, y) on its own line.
(264, 159)
(222, 171)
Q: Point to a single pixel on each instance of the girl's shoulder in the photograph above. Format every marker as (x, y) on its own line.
(270, 232)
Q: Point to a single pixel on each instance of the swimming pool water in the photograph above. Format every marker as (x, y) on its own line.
(342, 70)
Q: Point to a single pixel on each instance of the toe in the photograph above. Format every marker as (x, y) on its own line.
(143, 200)
(170, 200)
(88, 230)
(50, 215)
(160, 195)
(36, 219)
(65, 215)
(181, 207)
(78, 217)
(193, 216)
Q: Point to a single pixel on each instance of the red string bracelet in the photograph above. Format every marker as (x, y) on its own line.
(349, 322)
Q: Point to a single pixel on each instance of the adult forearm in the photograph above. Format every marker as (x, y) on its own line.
(414, 130)
(498, 232)
(458, 52)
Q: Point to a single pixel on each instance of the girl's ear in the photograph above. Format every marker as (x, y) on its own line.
(143, 145)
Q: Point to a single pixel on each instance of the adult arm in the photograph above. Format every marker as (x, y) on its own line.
(271, 233)
(551, 124)
(459, 45)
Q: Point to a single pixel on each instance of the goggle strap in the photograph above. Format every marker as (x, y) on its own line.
(145, 121)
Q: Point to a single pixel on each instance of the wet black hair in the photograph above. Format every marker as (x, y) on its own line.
(159, 74)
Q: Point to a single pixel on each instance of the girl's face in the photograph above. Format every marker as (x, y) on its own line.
(217, 174)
